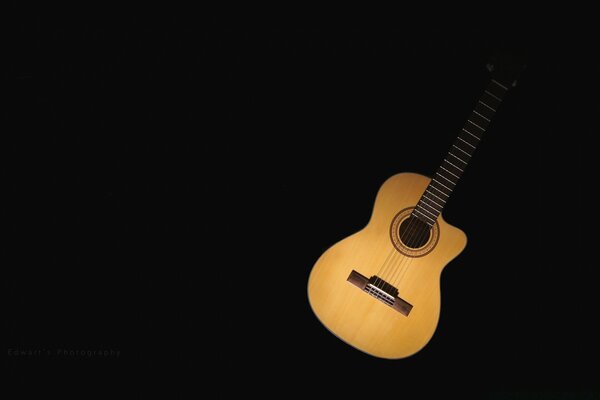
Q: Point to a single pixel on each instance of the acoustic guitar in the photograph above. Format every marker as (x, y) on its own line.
(378, 289)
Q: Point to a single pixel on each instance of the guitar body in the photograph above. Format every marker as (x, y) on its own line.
(361, 319)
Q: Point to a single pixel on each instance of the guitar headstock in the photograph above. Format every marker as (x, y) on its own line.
(506, 68)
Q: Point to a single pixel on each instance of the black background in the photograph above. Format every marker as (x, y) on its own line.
(173, 183)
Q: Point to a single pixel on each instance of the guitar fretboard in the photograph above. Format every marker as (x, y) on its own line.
(447, 176)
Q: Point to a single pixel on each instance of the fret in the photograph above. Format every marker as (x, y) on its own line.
(433, 194)
(458, 158)
(440, 183)
(428, 212)
(499, 84)
(432, 220)
(439, 190)
(438, 173)
(473, 123)
(475, 118)
(472, 134)
(490, 101)
(446, 177)
(481, 102)
(428, 202)
(461, 150)
(487, 119)
(463, 140)
(423, 203)
(433, 201)
(483, 110)
(465, 137)
(454, 165)
(448, 171)
(494, 96)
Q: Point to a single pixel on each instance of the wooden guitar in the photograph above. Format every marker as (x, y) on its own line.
(378, 289)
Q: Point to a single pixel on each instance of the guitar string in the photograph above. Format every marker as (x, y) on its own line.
(389, 269)
(403, 269)
(381, 274)
(397, 254)
(421, 237)
(400, 268)
(384, 266)
(385, 269)
(388, 273)
(410, 231)
(407, 264)
(410, 242)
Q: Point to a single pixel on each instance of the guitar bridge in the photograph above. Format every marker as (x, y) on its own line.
(381, 290)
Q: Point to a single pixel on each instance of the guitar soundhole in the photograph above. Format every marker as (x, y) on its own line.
(411, 236)
(414, 233)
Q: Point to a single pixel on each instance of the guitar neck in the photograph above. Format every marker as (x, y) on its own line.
(448, 174)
